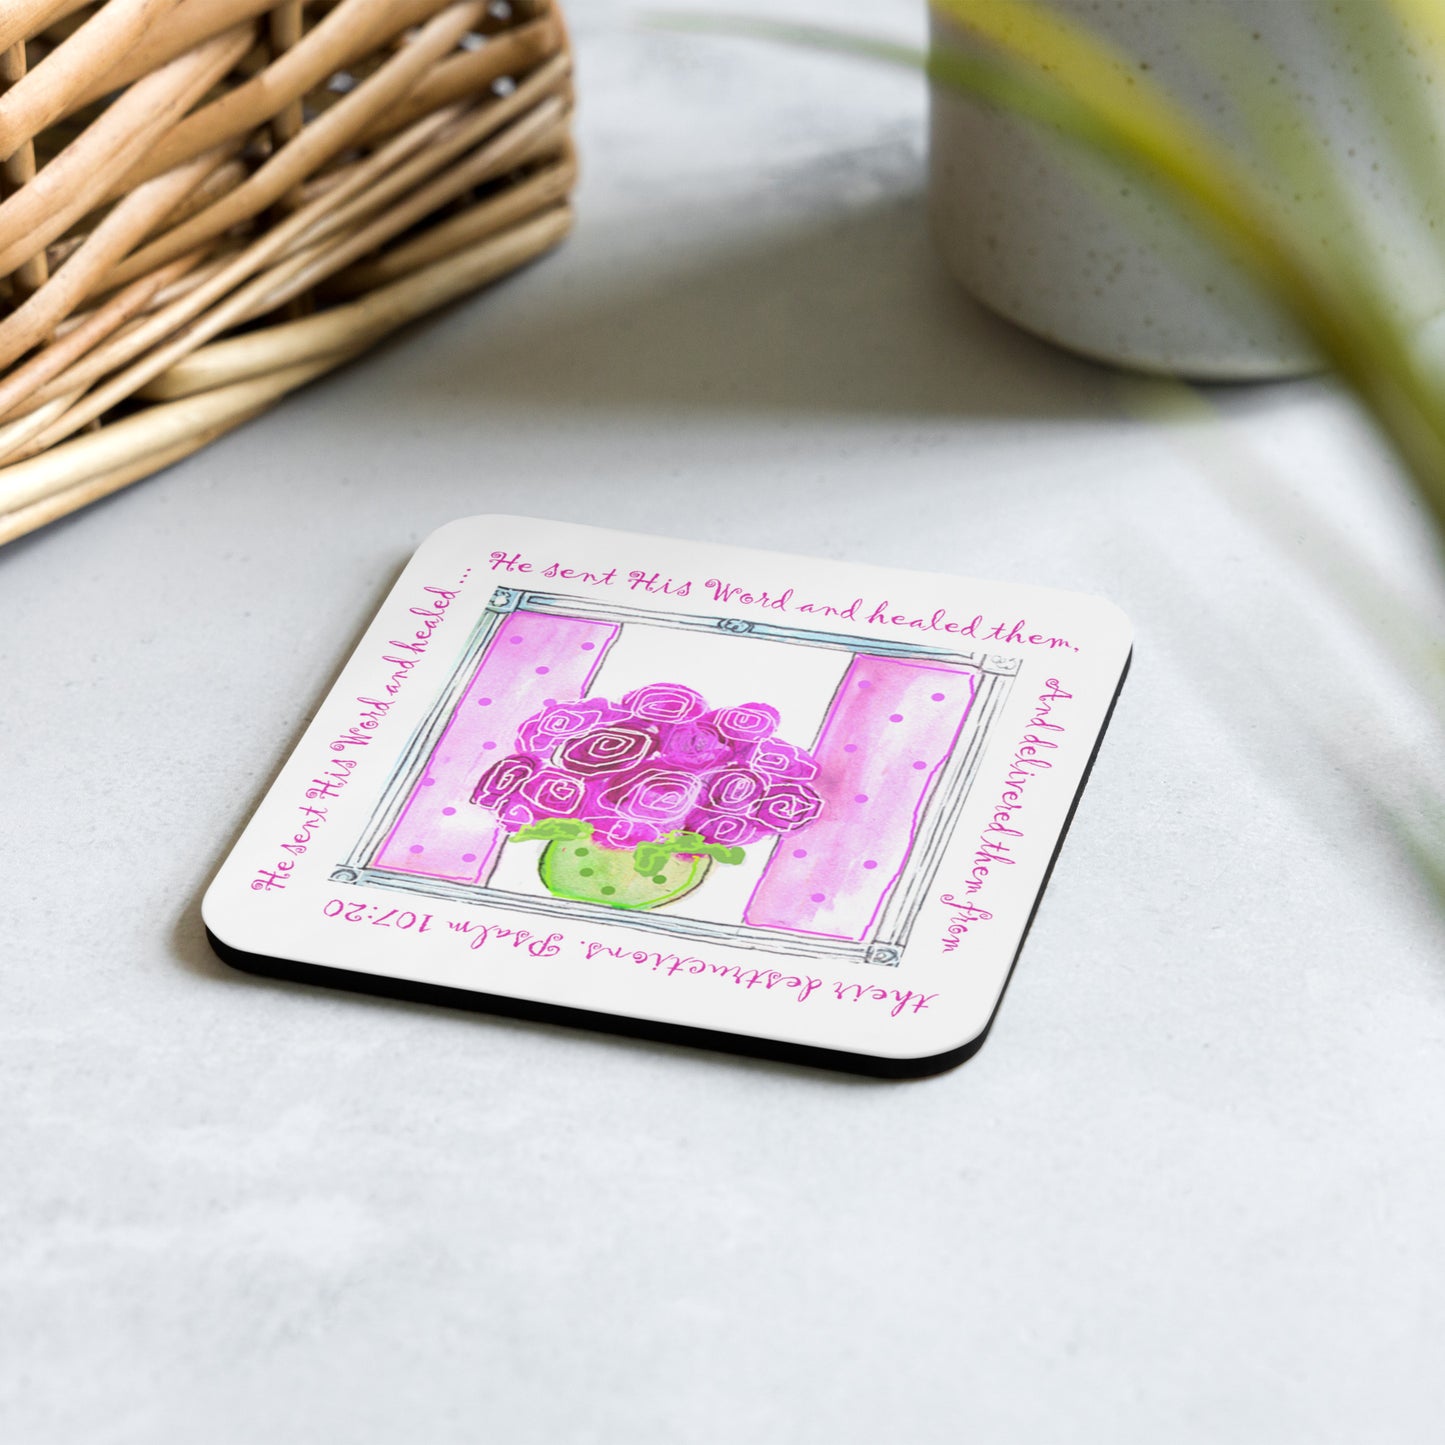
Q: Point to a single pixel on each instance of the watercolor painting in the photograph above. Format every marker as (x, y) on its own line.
(636, 799)
(713, 778)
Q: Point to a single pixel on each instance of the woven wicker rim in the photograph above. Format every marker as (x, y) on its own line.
(210, 202)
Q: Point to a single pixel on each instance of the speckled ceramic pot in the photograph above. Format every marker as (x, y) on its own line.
(1068, 250)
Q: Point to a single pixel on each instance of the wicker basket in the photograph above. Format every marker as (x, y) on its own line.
(209, 202)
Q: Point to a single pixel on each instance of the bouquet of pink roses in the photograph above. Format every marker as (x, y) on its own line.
(658, 774)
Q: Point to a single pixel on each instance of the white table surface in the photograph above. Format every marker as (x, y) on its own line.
(1190, 1191)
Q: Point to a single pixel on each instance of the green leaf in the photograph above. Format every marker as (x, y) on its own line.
(649, 857)
(551, 829)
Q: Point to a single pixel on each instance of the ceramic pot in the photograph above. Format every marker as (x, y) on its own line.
(1074, 252)
(589, 873)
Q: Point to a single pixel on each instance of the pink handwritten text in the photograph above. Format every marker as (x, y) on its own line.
(728, 592)
(374, 706)
(999, 841)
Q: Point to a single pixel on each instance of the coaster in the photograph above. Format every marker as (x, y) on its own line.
(768, 804)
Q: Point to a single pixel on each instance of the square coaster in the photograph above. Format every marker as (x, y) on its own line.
(770, 804)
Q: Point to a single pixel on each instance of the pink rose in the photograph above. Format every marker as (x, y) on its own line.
(749, 722)
(658, 795)
(783, 760)
(734, 790)
(604, 750)
(542, 732)
(503, 779)
(787, 806)
(664, 702)
(517, 814)
(553, 793)
(614, 832)
(730, 829)
(696, 746)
